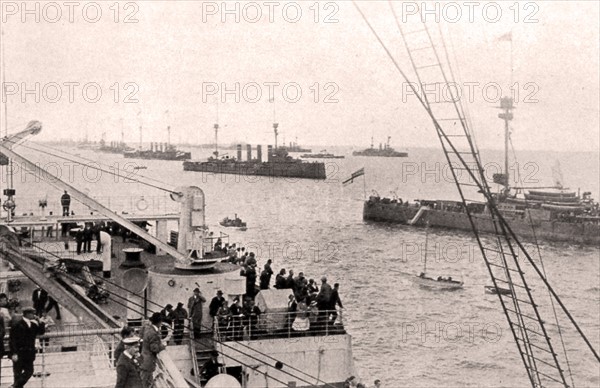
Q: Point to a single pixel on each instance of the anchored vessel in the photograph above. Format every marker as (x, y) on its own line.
(322, 155)
(114, 147)
(277, 164)
(256, 350)
(557, 214)
(545, 363)
(294, 147)
(159, 151)
(383, 150)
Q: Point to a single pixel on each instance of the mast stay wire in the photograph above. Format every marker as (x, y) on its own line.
(510, 231)
(539, 254)
(162, 188)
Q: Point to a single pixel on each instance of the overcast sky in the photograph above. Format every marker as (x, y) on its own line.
(169, 55)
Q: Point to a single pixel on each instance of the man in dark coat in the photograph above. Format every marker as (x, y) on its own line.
(289, 282)
(167, 319)
(265, 276)
(79, 238)
(128, 372)
(323, 302)
(22, 346)
(53, 304)
(195, 309)
(280, 280)
(65, 201)
(39, 299)
(88, 236)
(215, 304)
(151, 346)
(251, 280)
(211, 366)
(335, 301)
(179, 316)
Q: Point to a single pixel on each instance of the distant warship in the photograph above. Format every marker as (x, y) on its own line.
(384, 150)
(559, 214)
(160, 151)
(278, 163)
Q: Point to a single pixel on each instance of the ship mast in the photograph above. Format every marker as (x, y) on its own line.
(122, 132)
(506, 104)
(9, 204)
(275, 126)
(216, 127)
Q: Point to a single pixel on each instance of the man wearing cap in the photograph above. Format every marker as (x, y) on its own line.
(195, 309)
(151, 346)
(128, 374)
(22, 346)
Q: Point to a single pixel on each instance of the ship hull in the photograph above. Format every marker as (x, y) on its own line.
(159, 155)
(385, 155)
(284, 170)
(550, 230)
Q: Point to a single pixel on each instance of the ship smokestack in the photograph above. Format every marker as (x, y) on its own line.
(239, 152)
(259, 153)
(249, 152)
(269, 152)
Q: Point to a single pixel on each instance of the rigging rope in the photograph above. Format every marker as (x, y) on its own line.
(539, 252)
(99, 169)
(503, 223)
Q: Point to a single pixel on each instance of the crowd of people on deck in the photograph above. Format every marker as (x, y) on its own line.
(310, 306)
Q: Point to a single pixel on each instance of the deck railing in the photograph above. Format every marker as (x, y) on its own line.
(273, 325)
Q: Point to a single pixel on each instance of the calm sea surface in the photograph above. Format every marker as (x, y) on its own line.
(402, 334)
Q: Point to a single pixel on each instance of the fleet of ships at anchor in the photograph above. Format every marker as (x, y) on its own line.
(253, 349)
(193, 261)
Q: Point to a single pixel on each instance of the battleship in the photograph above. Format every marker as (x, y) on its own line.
(558, 214)
(114, 147)
(294, 147)
(256, 350)
(322, 155)
(503, 254)
(384, 150)
(277, 164)
(159, 151)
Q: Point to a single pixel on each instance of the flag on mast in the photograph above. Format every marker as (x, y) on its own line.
(355, 174)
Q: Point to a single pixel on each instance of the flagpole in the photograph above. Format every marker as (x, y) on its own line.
(511, 60)
(365, 185)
